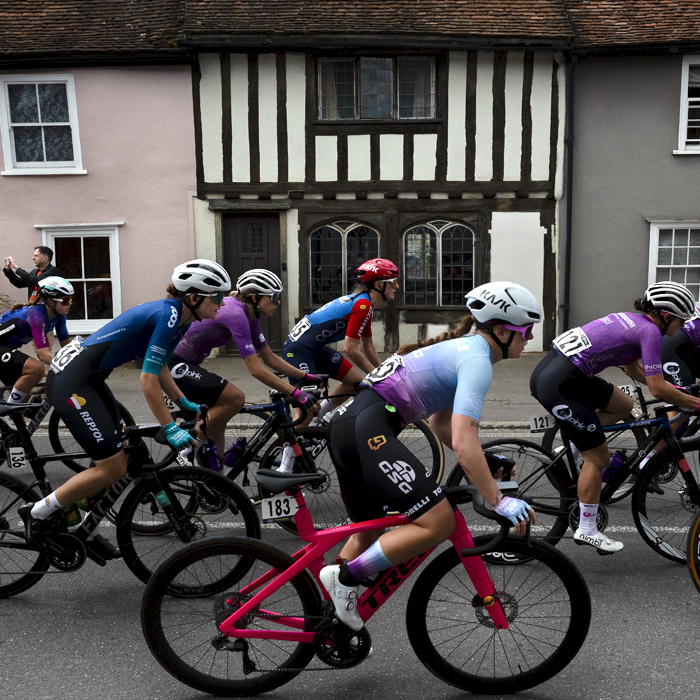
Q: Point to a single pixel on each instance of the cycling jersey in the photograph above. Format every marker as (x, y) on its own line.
(454, 374)
(349, 316)
(231, 322)
(29, 323)
(692, 328)
(148, 330)
(616, 339)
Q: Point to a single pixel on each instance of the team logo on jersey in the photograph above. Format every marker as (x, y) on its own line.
(363, 306)
(76, 401)
(562, 412)
(180, 371)
(290, 354)
(335, 358)
(6, 356)
(673, 369)
(376, 442)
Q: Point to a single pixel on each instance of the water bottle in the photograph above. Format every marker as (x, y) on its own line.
(162, 498)
(616, 461)
(234, 452)
(73, 517)
(210, 457)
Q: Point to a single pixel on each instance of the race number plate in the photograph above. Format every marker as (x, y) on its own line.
(539, 424)
(66, 354)
(279, 507)
(15, 458)
(386, 369)
(300, 329)
(170, 404)
(627, 389)
(572, 342)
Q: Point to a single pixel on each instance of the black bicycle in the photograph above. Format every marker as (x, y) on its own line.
(165, 509)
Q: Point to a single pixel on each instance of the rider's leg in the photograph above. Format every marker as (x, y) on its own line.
(228, 404)
(618, 408)
(32, 374)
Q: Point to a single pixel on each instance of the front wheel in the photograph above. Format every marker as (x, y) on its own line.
(183, 634)
(665, 499)
(693, 549)
(545, 600)
(210, 504)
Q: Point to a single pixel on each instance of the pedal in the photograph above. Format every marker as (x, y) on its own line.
(653, 487)
(95, 557)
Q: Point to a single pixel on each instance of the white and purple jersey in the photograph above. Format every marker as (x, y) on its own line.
(231, 322)
(454, 374)
(692, 328)
(616, 339)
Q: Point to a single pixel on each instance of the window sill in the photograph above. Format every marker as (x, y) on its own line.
(86, 327)
(687, 153)
(44, 171)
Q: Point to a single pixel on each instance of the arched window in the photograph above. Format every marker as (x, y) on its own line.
(438, 264)
(336, 250)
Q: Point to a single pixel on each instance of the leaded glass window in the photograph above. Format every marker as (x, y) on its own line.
(677, 255)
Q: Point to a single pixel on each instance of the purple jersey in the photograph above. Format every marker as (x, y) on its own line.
(231, 322)
(616, 339)
(692, 328)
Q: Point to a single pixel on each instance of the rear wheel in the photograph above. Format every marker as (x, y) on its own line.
(183, 634)
(693, 548)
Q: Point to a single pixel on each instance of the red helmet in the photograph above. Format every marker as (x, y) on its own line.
(377, 269)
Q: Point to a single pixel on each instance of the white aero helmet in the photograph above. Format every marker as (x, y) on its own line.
(55, 287)
(201, 277)
(259, 281)
(672, 297)
(504, 301)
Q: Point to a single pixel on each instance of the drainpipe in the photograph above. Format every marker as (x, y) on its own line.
(569, 141)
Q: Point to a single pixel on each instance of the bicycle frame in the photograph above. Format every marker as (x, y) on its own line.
(311, 557)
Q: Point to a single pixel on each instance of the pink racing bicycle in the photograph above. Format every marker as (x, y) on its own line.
(489, 615)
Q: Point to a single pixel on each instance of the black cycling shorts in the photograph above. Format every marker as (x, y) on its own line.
(199, 385)
(325, 360)
(11, 363)
(87, 405)
(572, 397)
(376, 472)
(680, 359)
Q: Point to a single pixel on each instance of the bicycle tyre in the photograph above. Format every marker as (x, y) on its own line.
(693, 549)
(664, 502)
(544, 487)
(180, 632)
(455, 638)
(62, 440)
(618, 440)
(14, 493)
(212, 503)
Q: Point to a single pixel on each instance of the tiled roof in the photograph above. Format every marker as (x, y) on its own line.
(624, 22)
(88, 26)
(477, 18)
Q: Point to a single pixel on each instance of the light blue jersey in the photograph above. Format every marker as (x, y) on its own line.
(454, 374)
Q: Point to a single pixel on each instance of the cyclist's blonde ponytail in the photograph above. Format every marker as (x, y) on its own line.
(465, 325)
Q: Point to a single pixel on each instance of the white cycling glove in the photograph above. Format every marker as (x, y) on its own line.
(512, 508)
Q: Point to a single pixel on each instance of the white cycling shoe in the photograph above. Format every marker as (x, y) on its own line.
(344, 597)
(601, 542)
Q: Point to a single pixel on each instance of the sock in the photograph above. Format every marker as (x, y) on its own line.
(17, 396)
(287, 460)
(642, 464)
(326, 407)
(587, 518)
(370, 562)
(46, 506)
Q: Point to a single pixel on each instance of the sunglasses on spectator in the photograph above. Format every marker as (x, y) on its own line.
(525, 330)
(394, 283)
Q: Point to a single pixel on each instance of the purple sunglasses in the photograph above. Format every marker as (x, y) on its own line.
(525, 330)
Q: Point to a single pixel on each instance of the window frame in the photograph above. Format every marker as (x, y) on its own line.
(357, 97)
(74, 167)
(654, 228)
(438, 235)
(683, 148)
(50, 232)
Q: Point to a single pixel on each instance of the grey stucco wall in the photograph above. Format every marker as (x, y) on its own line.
(626, 129)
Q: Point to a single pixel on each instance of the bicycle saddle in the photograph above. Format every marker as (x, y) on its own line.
(8, 409)
(275, 482)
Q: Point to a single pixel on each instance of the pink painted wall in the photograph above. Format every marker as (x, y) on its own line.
(137, 140)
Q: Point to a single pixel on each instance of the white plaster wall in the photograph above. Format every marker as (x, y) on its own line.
(559, 175)
(267, 116)
(212, 115)
(517, 255)
(515, 68)
(391, 156)
(137, 142)
(424, 156)
(240, 150)
(204, 230)
(326, 158)
(541, 102)
(408, 333)
(484, 116)
(377, 335)
(359, 158)
(456, 115)
(296, 116)
(292, 233)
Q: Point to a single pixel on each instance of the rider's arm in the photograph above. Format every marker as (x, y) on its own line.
(635, 371)
(441, 425)
(44, 354)
(263, 374)
(351, 347)
(278, 364)
(661, 389)
(151, 385)
(370, 351)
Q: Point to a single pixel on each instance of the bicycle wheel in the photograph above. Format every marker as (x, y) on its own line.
(693, 549)
(619, 440)
(16, 564)
(62, 440)
(545, 600)
(543, 486)
(183, 635)
(665, 500)
(212, 504)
